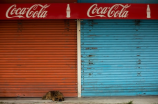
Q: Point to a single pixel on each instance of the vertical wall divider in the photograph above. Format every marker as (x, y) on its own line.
(79, 56)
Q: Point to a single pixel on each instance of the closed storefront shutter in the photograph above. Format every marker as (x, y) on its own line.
(119, 57)
(37, 56)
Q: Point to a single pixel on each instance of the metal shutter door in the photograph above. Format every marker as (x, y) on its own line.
(119, 57)
(37, 56)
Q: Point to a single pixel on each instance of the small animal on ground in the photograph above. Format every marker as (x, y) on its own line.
(53, 95)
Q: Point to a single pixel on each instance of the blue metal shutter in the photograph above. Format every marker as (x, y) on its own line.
(119, 57)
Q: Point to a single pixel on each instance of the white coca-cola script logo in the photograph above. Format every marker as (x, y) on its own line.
(34, 11)
(117, 10)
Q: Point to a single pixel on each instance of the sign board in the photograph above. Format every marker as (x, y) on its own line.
(78, 11)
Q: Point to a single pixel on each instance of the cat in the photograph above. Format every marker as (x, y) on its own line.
(53, 95)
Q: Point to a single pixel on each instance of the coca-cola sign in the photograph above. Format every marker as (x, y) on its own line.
(112, 11)
(35, 11)
(78, 11)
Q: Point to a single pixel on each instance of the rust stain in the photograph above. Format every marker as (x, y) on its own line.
(91, 48)
(90, 63)
(139, 61)
(137, 22)
(139, 74)
(90, 55)
(63, 78)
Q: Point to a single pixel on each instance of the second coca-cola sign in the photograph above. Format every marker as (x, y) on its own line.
(78, 11)
(113, 11)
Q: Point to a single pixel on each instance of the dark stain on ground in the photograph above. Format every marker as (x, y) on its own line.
(90, 74)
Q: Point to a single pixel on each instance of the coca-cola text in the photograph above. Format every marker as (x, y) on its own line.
(35, 11)
(117, 10)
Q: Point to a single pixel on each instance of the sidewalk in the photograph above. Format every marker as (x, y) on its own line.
(90, 100)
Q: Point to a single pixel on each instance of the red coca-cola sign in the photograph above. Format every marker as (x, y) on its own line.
(78, 11)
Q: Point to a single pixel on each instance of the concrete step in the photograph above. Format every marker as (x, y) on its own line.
(86, 100)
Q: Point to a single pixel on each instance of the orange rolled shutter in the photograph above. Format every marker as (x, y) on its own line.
(37, 56)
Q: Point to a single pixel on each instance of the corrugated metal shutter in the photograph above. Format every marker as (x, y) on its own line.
(37, 56)
(119, 57)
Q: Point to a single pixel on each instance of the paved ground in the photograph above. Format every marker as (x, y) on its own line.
(91, 100)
